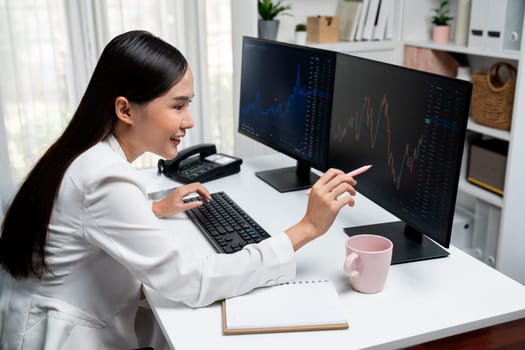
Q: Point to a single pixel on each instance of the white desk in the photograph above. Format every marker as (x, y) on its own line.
(422, 301)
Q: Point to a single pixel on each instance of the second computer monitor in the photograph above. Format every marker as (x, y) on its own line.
(410, 125)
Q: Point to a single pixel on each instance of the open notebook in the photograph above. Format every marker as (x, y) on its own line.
(294, 306)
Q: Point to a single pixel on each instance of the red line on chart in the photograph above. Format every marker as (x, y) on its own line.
(365, 119)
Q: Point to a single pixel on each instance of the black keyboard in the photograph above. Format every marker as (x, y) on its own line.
(225, 224)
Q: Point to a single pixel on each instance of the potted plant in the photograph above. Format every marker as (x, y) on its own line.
(440, 19)
(300, 33)
(268, 11)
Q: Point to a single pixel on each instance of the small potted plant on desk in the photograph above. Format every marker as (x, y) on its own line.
(440, 19)
(268, 11)
(300, 34)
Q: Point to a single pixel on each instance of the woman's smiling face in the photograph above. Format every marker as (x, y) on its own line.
(159, 125)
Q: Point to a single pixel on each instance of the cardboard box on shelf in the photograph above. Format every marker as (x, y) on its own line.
(322, 29)
(487, 164)
(428, 60)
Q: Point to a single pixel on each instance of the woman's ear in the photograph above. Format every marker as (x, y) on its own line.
(123, 110)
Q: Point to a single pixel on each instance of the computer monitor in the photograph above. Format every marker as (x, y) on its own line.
(410, 125)
(285, 103)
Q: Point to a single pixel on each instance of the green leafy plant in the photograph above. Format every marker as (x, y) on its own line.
(269, 9)
(300, 27)
(441, 17)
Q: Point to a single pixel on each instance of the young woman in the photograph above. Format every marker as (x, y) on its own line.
(80, 238)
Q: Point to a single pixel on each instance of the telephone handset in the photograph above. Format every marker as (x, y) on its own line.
(199, 163)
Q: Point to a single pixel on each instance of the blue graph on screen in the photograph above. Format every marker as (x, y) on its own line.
(291, 105)
(295, 104)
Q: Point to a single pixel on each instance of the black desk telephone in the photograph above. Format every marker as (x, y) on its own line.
(199, 163)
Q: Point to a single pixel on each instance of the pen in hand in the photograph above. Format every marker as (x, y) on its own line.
(352, 173)
(360, 170)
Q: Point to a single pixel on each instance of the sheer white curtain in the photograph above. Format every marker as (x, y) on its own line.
(34, 103)
(48, 50)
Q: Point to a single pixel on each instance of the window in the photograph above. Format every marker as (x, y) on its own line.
(34, 88)
(44, 69)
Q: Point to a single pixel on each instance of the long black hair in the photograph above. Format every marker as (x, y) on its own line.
(136, 65)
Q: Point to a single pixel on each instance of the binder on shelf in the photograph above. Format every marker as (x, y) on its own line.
(362, 20)
(478, 24)
(348, 13)
(382, 17)
(462, 23)
(289, 307)
(513, 29)
(496, 25)
(389, 31)
(371, 17)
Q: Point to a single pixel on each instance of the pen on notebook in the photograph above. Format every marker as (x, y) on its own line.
(352, 173)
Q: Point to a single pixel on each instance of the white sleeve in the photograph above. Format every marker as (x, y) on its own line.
(119, 219)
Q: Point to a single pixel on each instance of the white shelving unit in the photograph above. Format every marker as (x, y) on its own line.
(413, 26)
(479, 193)
(482, 129)
(361, 46)
(498, 218)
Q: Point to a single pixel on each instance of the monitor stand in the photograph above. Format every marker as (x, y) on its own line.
(409, 244)
(289, 179)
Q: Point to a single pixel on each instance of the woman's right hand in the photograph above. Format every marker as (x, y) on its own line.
(329, 194)
(174, 203)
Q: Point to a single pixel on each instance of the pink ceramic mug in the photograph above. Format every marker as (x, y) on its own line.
(367, 262)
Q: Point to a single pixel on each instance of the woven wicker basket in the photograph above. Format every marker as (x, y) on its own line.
(493, 97)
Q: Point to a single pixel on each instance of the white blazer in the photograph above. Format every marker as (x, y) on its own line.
(104, 242)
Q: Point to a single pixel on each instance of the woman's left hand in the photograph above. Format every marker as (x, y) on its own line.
(173, 203)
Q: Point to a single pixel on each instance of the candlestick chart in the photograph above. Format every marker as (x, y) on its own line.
(365, 124)
(411, 133)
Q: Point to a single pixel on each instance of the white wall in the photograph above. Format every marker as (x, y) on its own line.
(244, 22)
(301, 9)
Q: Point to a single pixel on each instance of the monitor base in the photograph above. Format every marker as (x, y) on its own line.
(409, 244)
(288, 179)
